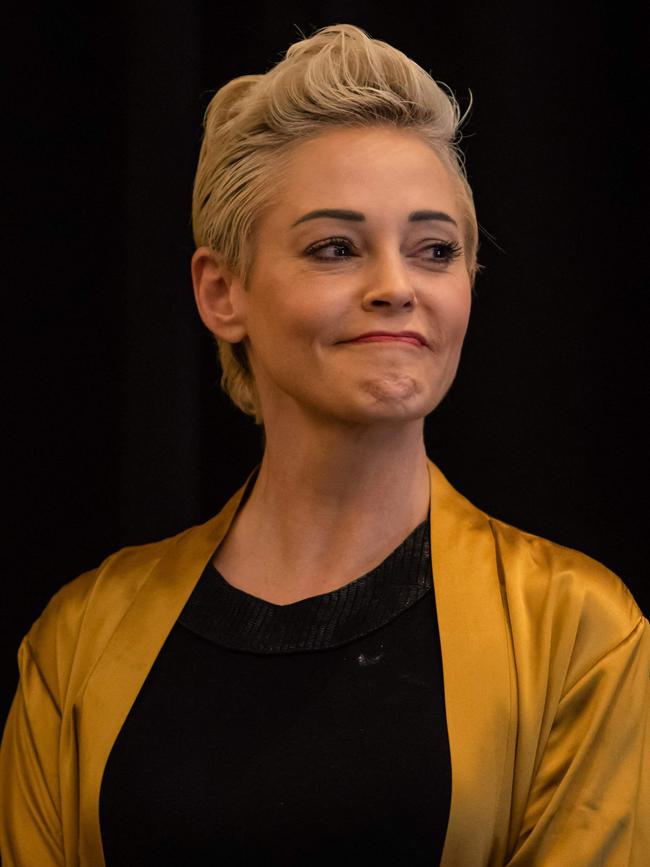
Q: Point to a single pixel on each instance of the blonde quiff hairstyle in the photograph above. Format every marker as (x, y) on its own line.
(337, 77)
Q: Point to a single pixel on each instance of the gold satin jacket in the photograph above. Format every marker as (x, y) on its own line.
(546, 661)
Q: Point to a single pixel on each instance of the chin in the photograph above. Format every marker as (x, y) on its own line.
(393, 390)
(392, 399)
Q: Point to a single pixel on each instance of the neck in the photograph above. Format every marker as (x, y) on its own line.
(325, 474)
(327, 506)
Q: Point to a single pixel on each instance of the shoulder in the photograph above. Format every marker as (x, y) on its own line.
(545, 568)
(562, 596)
(122, 572)
(80, 618)
(537, 576)
(155, 579)
(550, 593)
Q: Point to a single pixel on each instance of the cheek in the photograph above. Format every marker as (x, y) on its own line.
(461, 313)
(282, 327)
(451, 318)
(461, 304)
(305, 314)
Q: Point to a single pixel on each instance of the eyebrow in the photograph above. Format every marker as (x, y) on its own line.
(358, 217)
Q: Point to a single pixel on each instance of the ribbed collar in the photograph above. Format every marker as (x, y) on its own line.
(233, 618)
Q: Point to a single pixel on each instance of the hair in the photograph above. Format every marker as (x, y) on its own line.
(337, 77)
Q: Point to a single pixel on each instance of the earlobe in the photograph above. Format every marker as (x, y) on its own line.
(219, 296)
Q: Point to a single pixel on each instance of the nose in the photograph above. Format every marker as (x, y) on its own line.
(389, 284)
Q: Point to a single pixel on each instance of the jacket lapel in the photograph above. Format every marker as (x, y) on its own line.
(123, 667)
(479, 680)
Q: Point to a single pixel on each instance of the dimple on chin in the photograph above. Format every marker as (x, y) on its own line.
(392, 389)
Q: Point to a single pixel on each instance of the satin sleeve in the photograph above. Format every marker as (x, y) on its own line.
(30, 818)
(589, 802)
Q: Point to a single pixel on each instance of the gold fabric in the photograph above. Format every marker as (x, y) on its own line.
(546, 663)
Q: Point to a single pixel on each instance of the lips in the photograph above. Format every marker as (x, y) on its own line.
(412, 337)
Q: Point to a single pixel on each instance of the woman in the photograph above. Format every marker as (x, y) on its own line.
(287, 683)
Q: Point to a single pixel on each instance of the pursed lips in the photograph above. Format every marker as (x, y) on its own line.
(409, 337)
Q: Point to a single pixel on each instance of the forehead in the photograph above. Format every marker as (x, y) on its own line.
(372, 170)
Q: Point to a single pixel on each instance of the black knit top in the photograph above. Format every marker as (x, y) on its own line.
(310, 733)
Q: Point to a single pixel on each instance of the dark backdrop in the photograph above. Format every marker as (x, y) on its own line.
(118, 431)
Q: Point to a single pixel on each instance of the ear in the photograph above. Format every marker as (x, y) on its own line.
(219, 296)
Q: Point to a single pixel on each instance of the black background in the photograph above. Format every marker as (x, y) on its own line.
(118, 433)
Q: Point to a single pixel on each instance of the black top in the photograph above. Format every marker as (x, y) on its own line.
(289, 734)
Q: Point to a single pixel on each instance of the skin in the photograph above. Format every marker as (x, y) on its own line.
(344, 476)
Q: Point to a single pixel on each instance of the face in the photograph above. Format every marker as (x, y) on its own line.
(358, 299)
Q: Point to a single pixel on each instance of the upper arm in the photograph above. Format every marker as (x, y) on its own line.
(30, 820)
(587, 805)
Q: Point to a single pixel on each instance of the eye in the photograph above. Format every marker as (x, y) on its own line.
(443, 252)
(330, 249)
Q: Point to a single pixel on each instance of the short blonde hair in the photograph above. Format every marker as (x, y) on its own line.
(337, 77)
